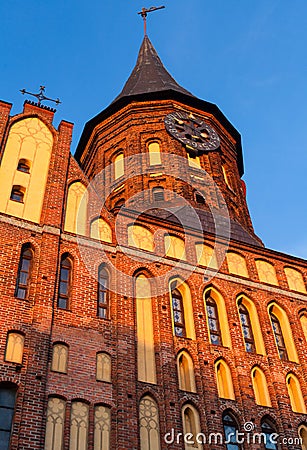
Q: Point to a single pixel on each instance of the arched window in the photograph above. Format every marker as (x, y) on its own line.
(269, 431)
(7, 406)
(302, 432)
(178, 313)
(103, 367)
(231, 430)
(158, 194)
(303, 320)
(59, 357)
(191, 427)
(194, 162)
(206, 256)
(250, 325)
(55, 424)
(185, 370)
(24, 272)
(119, 168)
(213, 321)
(217, 318)
(247, 329)
(149, 424)
(76, 209)
(154, 153)
(279, 339)
(102, 424)
(236, 264)
(65, 282)
(24, 166)
(174, 247)
(14, 347)
(79, 426)
(182, 309)
(140, 237)
(295, 394)
(145, 331)
(101, 230)
(17, 194)
(262, 396)
(103, 293)
(266, 272)
(224, 380)
(295, 280)
(282, 333)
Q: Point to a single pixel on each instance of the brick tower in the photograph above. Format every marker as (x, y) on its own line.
(139, 310)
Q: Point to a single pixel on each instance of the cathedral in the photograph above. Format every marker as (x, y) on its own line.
(139, 309)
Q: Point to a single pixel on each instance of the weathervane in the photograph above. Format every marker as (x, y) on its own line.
(144, 13)
(40, 96)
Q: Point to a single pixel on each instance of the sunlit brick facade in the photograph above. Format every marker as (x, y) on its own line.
(128, 319)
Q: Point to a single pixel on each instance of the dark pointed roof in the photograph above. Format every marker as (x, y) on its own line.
(149, 75)
(150, 81)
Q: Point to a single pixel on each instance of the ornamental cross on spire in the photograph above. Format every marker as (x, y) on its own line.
(40, 96)
(144, 13)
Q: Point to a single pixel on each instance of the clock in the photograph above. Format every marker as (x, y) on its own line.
(192, 131)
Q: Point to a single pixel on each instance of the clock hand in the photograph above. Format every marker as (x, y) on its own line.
(179, 121)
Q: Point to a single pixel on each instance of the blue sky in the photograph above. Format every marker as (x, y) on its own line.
(247, 56)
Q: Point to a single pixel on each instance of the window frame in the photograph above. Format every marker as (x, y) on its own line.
(282, 349)
(118, 160)
(158, 194)
(17, 194)
(67, 296)
(8, 386)
(268, 425)
(24, 287)
(181, 325)
(216, 319)
(232, 423)
(10, 333)
(103, 290)
(66, 346)
(247, 340)
(23, 165)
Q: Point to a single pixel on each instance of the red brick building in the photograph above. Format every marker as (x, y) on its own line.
(138, 309)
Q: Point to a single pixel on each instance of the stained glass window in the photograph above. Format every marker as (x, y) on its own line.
(178, 312)
(279, 339)
(231, 432)
(213, 320)
(247, 329)
(268, 430)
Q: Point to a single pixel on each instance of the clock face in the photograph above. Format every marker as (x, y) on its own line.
(192, 131)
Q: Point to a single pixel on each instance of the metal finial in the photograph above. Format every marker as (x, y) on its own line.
(41, 96)
(144, 13)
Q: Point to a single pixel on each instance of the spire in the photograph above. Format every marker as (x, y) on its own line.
(149, 75)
